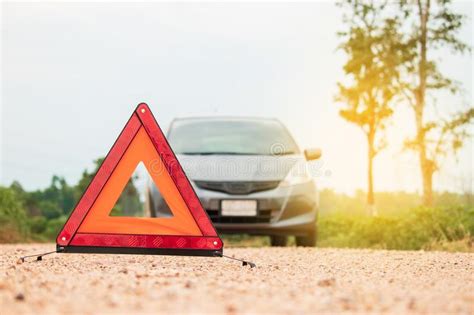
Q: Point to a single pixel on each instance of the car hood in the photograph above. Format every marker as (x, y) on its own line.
(239, 167)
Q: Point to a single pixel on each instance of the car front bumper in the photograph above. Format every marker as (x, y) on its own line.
(291, 210)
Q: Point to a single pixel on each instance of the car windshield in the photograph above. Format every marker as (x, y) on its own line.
(231, 136)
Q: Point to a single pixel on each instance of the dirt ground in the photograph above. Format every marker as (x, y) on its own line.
(286, 281)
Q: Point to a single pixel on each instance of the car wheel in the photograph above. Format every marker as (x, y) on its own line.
(308, 241)
(278, 240)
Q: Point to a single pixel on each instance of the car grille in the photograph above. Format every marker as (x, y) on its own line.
(237, 188)
(263, 216)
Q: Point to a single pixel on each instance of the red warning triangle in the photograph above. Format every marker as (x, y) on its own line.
(91, 228)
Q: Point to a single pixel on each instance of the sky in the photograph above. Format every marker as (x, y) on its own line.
(72, 73)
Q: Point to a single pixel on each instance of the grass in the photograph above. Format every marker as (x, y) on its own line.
(419, 228)
(450, 229)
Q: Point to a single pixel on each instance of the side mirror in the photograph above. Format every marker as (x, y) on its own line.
(312, 154)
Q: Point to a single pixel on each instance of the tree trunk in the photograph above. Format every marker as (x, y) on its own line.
(428, 184)
(370, 179)
(426, 165)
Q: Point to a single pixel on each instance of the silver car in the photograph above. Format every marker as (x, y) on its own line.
(250, 176)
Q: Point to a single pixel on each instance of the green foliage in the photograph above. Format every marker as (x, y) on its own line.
(419, 228)
(50, 209)
(13, 220)
(53, 227)
(401, 225)
(391, 53)
(39, 215)
(371, 44)
(38, 224)
(86, 179)
(129, 203)
(372, 66)
(387, 203)
(370, 89)
(430, 26)
(415, 229)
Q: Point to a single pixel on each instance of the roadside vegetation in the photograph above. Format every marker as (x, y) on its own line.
(402, 224)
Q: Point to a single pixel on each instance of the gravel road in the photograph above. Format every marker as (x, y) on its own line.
(286, 281)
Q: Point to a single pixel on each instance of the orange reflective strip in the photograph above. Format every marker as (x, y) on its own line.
(98, 219)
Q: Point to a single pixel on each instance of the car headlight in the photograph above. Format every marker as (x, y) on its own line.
(298, 174)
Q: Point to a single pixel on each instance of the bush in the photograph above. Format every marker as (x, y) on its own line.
(418, 228)
(38, 224)
(50, 209)
(13, 220)
(53, 227)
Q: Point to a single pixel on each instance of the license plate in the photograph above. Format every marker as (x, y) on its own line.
(239, 208)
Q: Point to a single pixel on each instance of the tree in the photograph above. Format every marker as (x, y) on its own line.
(370, 44)
(13, 221)
(86, 179)
(58, 198)
(433, 25)
(129, 203)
